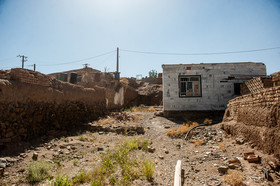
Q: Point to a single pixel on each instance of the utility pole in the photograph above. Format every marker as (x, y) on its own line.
(23, 59)
(118, 60)
(34, 67)
(117, 73)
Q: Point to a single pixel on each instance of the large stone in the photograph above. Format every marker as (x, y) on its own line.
(35, 155)
(151, 149)
(223, 169)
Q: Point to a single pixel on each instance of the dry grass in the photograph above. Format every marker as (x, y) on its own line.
(141, 108)
(198, 141)
(151, 109)
(185, 127)
(136, 117)
(222, 146)
(234, 177)
(208, 121)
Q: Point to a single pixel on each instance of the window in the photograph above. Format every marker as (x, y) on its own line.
(190, 86)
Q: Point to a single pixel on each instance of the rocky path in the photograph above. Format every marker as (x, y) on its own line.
(205, 163)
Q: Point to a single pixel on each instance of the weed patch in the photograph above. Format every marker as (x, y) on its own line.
(61, 180)
(234, 177)
(38, 171)
(180, 131)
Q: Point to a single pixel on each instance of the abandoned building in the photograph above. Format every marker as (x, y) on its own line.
(205, 86)
(86, 77)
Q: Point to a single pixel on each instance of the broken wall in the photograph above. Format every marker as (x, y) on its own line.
(257, 118)
(33, 104)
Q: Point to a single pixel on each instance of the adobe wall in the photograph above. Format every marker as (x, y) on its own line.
(257, 118)
(33, 104)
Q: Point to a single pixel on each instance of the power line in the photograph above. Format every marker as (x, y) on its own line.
(76, 61)
(185, 54)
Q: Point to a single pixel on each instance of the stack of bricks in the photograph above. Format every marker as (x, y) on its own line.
(265, 97)
(30, 77)
(276, 79)
(257, 118)
(255, 85)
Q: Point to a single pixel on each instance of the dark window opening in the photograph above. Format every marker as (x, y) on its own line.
(237, 88)
(190, 86)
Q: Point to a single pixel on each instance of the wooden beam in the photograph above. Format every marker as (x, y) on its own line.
(177, 175)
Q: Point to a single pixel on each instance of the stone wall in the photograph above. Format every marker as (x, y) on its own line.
(257, 118)
(33, 104)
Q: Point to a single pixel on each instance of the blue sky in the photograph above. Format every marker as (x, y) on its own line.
(53, 32)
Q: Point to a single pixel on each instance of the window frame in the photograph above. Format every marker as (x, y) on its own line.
(189, 76)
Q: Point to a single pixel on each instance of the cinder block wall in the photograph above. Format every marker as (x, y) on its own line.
(256, 117)
(215, 94)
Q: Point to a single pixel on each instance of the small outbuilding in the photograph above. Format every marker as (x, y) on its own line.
(205, 86)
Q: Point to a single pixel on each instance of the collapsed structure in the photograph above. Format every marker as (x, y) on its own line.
(34, 104)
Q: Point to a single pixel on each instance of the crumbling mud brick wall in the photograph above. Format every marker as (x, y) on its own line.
(33, 104)
(257, 118)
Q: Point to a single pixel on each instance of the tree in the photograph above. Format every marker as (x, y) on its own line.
(153, 74)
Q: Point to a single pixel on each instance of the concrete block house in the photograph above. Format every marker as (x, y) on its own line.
(205, 86)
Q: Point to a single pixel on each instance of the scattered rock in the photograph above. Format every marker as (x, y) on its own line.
(100, 148)
(239, 141)
(151, 149)
(35, 156)
(161, 157)
(1, 171)
(166, 151)
(3, 163)
(234, 161)
(223, 169)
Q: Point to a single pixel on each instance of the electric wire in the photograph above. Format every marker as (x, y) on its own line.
(185, 54)
(76, 61)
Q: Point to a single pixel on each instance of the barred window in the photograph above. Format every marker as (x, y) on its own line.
(190, 86)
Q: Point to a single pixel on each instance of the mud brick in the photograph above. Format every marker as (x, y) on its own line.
(248, 154)
(253, 159)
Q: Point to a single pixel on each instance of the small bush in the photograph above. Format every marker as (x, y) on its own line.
(37, 171)
(234, 177)
(131, 145)
(82, 177)
(149, 169)
(75, 162)
(61, 180)
(143, 145)
(82, 138)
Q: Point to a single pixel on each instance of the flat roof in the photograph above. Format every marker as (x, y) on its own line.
(224, 63)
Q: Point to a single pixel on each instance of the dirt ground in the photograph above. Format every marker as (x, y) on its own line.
(200, 162)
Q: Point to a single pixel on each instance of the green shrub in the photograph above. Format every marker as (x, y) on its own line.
(149, 169)
(82, 177)
(61, 180)
(37, 171)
